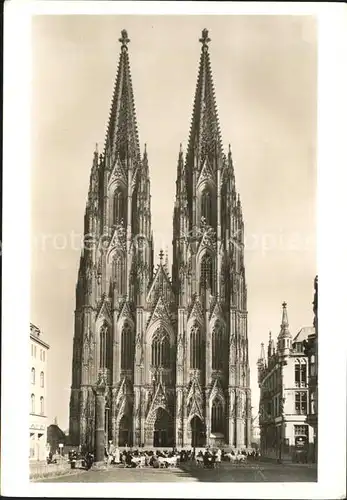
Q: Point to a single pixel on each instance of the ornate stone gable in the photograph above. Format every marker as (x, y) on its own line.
(161, 287)
(206, 173)
(104, 310)
(195, 409)
(125, 312)
(159, 400)
(118, 239)
(216, 312)
(160, 312)
(195, 399)
(197, 311)
(217, 392)
(118, 172)
(208, 238)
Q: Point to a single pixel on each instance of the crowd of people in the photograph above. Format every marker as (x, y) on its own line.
(208, 457)
(156, 458)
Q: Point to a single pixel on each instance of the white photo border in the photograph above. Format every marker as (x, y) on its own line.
(331, 244)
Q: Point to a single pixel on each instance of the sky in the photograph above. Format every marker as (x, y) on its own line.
(264, 70)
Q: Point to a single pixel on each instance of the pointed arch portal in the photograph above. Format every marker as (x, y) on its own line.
(125, 431)
(163, 429)
(198, 435)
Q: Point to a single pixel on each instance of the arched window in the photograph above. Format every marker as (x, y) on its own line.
(195, 348)
(127, 348)
(206, 206)
(206, 272)
(161, 349)
(217, 348)
(33, 375)
(42, 410)
(119, 273)
(118, 207)
(42, 379)
(104, 348)
(217, 416)
(33, 403)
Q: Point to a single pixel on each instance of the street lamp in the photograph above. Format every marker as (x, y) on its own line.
(107, 408)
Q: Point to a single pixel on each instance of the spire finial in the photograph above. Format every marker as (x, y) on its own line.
(181, 148)
(145, 151)
(161, 255)
(269, 336)
(204, 39)
(124, 40)
(96, 148)
(284, 323)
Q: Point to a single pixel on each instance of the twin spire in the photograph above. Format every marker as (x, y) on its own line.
(122, 131)
(204, 137)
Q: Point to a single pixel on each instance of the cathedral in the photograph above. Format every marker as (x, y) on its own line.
(160, 356)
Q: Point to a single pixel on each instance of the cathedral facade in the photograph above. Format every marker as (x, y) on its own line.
(160, 358)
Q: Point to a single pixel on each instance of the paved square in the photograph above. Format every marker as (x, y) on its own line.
(187, 472)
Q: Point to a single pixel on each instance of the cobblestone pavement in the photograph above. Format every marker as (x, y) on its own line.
(251, 472)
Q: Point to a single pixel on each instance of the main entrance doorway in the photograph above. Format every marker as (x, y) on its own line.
(162, 436)
(198, 435)
(125, 431)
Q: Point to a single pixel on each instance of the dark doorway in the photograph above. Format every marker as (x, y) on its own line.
(125, 431)
(163, 435)
(198, 435)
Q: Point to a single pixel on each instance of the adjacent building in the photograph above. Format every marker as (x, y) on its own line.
(284, 396)
(160, 358)
(38, 395)
(311, 350)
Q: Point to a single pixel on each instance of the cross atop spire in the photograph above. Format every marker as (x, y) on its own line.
(204, 39)
(204, 137)
(124, 40)
(122, 134)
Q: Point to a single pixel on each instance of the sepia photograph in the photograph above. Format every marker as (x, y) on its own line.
(173, 289)
(158, 327)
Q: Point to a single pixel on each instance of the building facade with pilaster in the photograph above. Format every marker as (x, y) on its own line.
(284, 395)
(38, 395)
(160, 358)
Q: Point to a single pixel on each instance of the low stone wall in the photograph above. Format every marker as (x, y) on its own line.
(42, 470)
